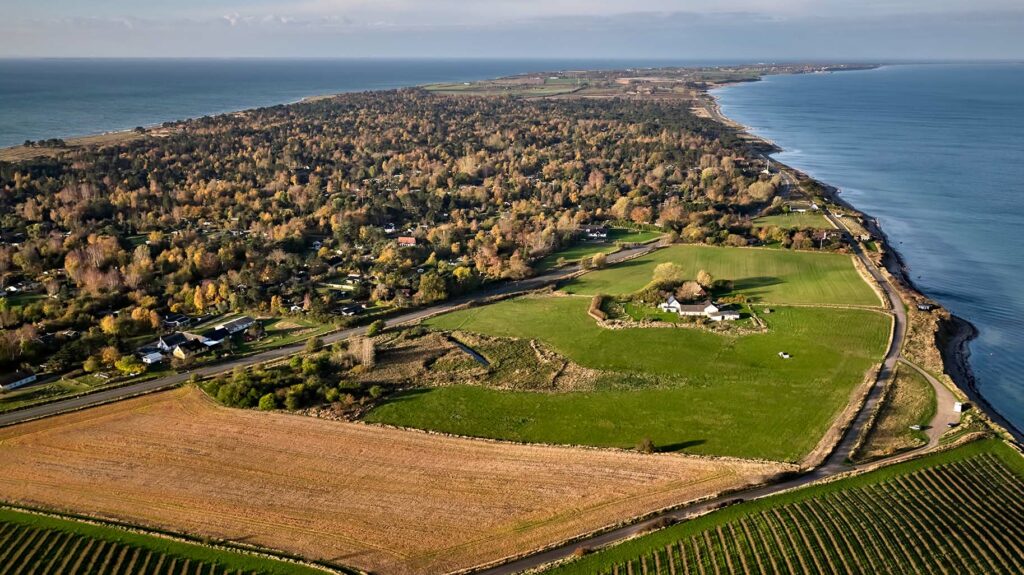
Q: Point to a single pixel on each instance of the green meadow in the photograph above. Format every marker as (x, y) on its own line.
(585, 249)
(686, 389)
(805, 220)
(769, 276)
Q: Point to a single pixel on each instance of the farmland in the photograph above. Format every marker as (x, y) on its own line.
(770, 276)
(385, 500)
(685, 389)
(960, 511)
(44, 544)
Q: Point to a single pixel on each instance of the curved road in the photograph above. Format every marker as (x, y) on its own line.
(135, 389)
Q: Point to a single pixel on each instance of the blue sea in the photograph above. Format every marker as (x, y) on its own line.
(51, 98)
(936, 153)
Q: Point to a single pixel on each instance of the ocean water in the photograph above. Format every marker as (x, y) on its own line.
(936, 153)
(49, 98)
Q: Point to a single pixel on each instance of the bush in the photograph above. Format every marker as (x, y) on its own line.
(645, 445)
(268, 402)
(595, 310)
(375, 328)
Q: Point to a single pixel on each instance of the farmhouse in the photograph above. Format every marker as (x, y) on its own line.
(171, 340)
(214, 336)
(16, 379)
(704, 309)
(176, 320)
(236, 325)
(190, 348)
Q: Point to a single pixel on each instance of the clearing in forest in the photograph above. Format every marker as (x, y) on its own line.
(763, 275)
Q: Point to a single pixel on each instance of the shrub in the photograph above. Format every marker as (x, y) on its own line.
(645, 445)
(375, 328)
(268, 402)
(595, 310)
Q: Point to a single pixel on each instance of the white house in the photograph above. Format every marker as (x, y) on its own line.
(595, 232)
(706, 309)
(152, 358)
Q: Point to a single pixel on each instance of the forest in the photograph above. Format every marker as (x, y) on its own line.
(418, 196)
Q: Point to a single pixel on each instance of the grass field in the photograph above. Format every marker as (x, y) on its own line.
(685, 389)
(960, 511)
(909, 401)
(384, 500)
(587, 249)
(771, 276)
(33, 543)
(803, 221)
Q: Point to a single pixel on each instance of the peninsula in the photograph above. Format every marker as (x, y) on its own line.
(574, 321)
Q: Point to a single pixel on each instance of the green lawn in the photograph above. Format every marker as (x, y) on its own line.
(285, 331)
(686, 389)
(772, 276)
(585, 249)
(795, 220)
(953, 512)
(31, 394)
(44, 544)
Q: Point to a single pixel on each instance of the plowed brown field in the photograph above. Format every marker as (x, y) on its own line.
(385, 500)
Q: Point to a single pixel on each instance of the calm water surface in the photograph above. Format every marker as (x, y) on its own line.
(936, 153)
(48, 98)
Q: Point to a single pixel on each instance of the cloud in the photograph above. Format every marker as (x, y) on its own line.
(731, 29)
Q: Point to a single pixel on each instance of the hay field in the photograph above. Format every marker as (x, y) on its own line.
(390, 501)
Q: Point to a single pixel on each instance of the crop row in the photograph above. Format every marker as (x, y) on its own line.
(961, 517)
(27, 550)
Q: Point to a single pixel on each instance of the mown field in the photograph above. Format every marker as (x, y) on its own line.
(585, 249)
(685, 389)
(33, 543)
(383, 500)
(960, 511)
(770, 276)
(803, 221)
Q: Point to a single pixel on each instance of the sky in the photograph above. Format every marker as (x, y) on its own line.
(754, 30)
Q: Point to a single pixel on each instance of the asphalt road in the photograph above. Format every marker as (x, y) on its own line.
(836, 463)
(135, 389)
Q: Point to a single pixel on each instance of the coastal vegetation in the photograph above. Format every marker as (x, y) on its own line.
(953, 512)
(907, 407)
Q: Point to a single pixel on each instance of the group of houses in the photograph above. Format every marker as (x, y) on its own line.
(185, 345)
(706, 309)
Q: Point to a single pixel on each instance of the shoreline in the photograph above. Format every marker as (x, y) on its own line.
(955, 335)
